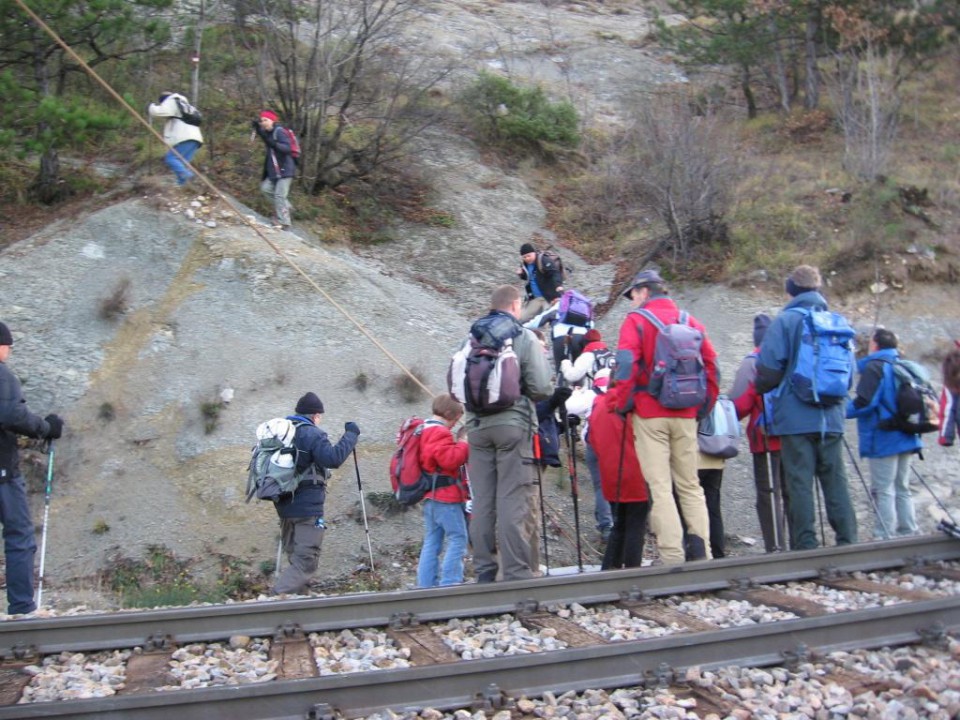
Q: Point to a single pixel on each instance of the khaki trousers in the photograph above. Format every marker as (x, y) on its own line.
(667, 450)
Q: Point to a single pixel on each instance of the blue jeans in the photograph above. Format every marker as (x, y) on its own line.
(187, 148)
(890, 487)
(19, 545)
(601, 508)
(442, 521)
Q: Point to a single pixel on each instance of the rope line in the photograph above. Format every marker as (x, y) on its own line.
(215, 191)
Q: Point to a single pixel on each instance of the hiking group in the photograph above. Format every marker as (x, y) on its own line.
(655, 428)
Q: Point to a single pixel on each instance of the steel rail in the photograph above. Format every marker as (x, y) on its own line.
(216, 622)
(462, 684)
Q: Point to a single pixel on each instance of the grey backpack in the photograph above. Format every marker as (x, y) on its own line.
(718, 434)
(678, 379)
(272, 473)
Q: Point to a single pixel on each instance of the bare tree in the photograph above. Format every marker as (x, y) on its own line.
(863, 86)
(679, 163)
(347, 80)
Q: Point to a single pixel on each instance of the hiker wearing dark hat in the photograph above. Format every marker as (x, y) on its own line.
(301, 515)
(279, 165)
(19, 543)
(180, 136)
(811, 435)
(764, 446)
(666, 437)
(544, 279)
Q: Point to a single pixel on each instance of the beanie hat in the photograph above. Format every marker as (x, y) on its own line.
(592, 335)
(760, 324)
(309, 404)
(804, 278)
(6, 337)
(270, 115)
(527, 248)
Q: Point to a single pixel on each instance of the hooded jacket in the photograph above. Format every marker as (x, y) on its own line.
(875, 401)
(791, 415)
(639, 336)
(315, 457)
(15, 419)
(440, 453)
(620, 482)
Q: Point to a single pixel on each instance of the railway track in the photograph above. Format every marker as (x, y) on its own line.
(439, 678)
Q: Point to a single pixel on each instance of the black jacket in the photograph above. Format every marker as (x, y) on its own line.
(549, 277)
(15, 419)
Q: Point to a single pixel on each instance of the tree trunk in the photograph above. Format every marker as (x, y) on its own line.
(748, 92)
(812, 97)
(47, 188)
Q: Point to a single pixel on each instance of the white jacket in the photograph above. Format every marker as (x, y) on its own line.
(175, 130)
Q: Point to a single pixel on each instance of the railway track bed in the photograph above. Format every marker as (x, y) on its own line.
(476, 646)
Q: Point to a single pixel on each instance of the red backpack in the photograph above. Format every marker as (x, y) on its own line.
(407, 478)
(294, 144)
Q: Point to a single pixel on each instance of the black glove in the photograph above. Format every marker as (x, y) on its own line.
(352, 427)
(559, 397)
(56, 426)
(255, 124)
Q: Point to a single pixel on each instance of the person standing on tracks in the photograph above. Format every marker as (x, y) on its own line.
(888, 451)
(501, 464)
(950, 398)
(544, 279)
(764, 447)
(180, 136)
(19, 543)
(811, 436)
(444, 520)
(666, 437)
(279, 165)
(301, 515)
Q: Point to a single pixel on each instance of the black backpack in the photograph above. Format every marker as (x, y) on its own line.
(188, 113)
(917, 409)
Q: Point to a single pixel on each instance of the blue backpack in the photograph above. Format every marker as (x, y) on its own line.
(822, 371)
(678, 379)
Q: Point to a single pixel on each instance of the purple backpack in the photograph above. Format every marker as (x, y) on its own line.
(678, 379)
(575, 309)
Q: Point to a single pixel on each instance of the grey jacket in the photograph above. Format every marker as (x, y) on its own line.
(15, 419)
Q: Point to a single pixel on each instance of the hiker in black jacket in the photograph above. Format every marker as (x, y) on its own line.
(19, 544)
(544, 281)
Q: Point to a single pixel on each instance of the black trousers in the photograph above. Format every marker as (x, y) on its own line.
(625, 546)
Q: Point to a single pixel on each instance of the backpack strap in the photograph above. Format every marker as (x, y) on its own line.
(653, 319)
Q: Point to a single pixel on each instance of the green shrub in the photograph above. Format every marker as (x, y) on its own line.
(504, 112)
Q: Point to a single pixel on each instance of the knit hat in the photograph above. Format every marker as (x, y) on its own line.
(6, 338)
(309, 404)
(804, 278)
(760, 324)
(592, 335)
(270, 115)
(643, 278)
(527, 248)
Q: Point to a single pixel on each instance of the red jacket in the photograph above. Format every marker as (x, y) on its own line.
(607, 440)
(440, 453)
(749, 403)
(639, 336)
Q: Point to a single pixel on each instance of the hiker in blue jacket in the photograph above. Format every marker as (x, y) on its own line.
(887, 451)
(301, 515)
(811, 436)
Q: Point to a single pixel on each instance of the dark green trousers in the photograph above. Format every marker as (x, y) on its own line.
(820, 457)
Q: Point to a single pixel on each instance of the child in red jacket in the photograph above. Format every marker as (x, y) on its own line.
(444, 521)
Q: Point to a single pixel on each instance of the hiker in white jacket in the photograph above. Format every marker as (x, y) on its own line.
(180, 136)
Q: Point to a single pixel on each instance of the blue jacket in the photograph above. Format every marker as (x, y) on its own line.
(315, 456)
(875, 401)
(791, 415)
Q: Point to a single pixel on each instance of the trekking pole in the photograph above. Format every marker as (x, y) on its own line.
(574, 488)
(774, 505)
(363, 510)
(46, 516)
(276, 568)
(543, 510)
(932, 494)
(873, 503)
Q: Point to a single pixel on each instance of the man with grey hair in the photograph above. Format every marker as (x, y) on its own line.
(811, 435)
(501, 464)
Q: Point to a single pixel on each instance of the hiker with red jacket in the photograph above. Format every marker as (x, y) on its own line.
(611, 440)
(444, 521)
(279, 165)
(544, 281)
(765, 448)
(666, 437)
(950, 397)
